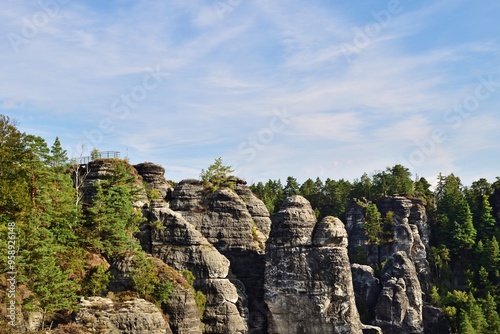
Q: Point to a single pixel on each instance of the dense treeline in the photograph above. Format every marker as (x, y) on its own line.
(60, 247)
(464, 249)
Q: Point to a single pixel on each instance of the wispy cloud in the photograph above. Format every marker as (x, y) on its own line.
(225, 73)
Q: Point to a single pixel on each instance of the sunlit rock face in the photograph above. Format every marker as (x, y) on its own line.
(308, 283)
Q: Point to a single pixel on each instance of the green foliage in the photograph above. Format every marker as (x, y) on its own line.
(199, 297)
(292, 187)
(454, 221)
(94, 154)
(147, 282)
(112, 219)
(465, 326)
(59, 158)
(216, 175)
(201, 301)
(373, 224)
(435, 297)
(96, 283)
(188, 276)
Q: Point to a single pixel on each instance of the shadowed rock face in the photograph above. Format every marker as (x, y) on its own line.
(399, 307)
(308, 279)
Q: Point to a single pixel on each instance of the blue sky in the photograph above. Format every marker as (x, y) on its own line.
(317, 88)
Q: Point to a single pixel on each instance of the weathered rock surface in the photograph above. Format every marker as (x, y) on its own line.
(435, 322)
(410, 231)
(98, 169)
(183, 315)
(237, 224)
(256, 208)
(360, 251)
(101, 315)
(367, 289)
(154, 176)
(308, 278)
(181, 246)
(399, 307)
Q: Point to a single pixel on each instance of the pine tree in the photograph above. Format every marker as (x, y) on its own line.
(455, 227)
(112, 219)
(58, 158)
(291, 187)
(465, 325)
(373, 224)
(216, 175)
(486, 224)
(476, 316)
(489, 307)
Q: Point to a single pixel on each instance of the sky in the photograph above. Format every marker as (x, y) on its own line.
(318, 88)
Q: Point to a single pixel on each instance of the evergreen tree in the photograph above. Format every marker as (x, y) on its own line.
(486, 223)
(455, 227)
(362, 187)
(489, 307)
(400, 181)
(58, 158)
(216, 175)
(291, 187)
(373, 224)
(465, 325)
(476, 315)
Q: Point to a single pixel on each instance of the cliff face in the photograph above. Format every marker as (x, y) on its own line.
(397, 304)
(137, 316)
(180, 245)
(237, 224)
(308, 279)
(291, 275)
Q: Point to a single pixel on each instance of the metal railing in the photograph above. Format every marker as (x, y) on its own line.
(97, 155)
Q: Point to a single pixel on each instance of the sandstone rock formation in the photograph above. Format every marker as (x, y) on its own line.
(137, 316)
(236, 223)
(367, 289)
(181, 246)
(399, 307)
(98, 169)
(181, 308)
(406, 273)
(154, 176)
(308, 279)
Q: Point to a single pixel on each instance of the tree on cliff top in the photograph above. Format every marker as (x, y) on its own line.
(216, 175)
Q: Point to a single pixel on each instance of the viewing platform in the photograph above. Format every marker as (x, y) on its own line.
(97, 155)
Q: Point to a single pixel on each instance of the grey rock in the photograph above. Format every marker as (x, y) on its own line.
(98, 169)
(366, 289)
(187, 196)
(435, 322)
(237, 224)
(102, 315)
(183, 315)
(399, 308)
(308, 279)
(293, 224)
(181, 246)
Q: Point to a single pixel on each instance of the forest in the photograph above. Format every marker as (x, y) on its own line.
(57, 243)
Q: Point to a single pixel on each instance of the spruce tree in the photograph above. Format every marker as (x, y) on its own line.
(465, 325)
(489, 307)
